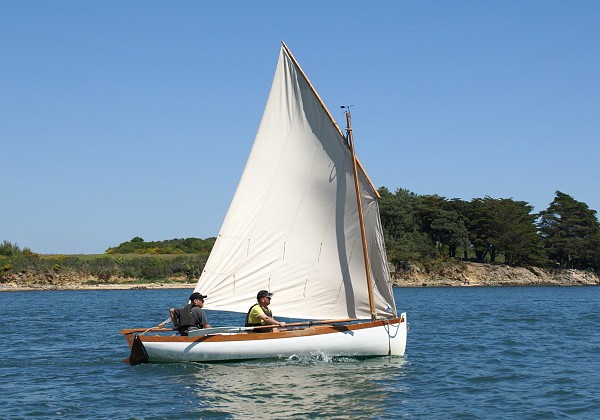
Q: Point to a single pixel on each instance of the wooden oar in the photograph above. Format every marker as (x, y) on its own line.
(151, 329)
(217, 330)
(308, 323)
(159, 327)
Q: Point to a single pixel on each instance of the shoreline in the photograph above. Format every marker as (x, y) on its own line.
(190, 286)
(109, 286)
(469, 274)
(444, 274)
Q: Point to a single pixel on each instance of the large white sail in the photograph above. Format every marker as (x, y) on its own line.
(293, 226)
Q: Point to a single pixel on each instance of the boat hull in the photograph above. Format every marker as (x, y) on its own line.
(375, 338)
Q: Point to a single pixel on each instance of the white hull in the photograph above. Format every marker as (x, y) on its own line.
(378, 338)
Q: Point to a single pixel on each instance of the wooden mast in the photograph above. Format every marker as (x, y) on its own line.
(355, 165)
(363, 233)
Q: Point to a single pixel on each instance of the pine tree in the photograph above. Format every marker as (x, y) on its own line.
(571, 233)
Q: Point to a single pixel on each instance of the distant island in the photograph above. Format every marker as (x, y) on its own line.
(431, 242)
(449, 274)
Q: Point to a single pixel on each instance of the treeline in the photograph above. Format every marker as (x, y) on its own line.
(172, 246)
(105, 267)
(185, 259)
(417, 228)
(425, 227)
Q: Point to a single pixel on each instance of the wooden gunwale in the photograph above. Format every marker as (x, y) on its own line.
(245, 336)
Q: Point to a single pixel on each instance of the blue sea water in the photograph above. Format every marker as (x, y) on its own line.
(473, 353)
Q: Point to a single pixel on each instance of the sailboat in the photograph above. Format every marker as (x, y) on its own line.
(304, 224)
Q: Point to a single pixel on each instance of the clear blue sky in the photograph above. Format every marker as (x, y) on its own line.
(122, 119)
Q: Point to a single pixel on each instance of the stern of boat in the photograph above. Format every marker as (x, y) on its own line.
(138, 352)
(398, 333)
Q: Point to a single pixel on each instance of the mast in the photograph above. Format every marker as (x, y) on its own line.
(363, 233)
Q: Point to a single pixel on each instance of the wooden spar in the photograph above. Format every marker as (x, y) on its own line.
(310, 323)
(355, 165)
(314, 91)
(289, 53)
(240, 329)
(363, 233)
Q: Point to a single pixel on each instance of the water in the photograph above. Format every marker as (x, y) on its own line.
(473, 353)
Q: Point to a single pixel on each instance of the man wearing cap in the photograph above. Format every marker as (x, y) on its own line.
(260, 314)
(191, 316)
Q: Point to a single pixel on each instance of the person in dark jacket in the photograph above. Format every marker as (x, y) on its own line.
(191, 316)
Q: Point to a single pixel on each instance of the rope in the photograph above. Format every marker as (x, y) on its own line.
(386, 325)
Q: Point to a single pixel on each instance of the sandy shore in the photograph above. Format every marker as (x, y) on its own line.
(108, 286)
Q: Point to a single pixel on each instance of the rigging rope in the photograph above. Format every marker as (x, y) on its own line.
(387, 326)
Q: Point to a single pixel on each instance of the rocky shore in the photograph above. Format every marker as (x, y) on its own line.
(488, 275)
(30, 281)
(442, 275)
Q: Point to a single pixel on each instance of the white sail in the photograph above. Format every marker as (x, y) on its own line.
(293, 226)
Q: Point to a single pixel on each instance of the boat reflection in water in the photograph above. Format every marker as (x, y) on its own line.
(307, 386)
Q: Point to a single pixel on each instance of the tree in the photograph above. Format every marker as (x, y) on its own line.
(172, 246)
(503, 227)
(427, 209)
(448, 230)
(403, 240)
(515, 232)
(396, 213)
(570, 233)
(9, 249)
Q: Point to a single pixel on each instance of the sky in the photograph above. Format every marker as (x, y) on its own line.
(124, 119)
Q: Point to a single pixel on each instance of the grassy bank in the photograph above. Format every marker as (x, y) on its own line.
(142, 268)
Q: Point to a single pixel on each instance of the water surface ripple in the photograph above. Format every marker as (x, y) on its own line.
(473, 353)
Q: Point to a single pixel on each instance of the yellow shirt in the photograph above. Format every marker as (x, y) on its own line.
(255, 312)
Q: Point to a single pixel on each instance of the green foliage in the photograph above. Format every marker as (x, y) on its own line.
(396, 212)
(107, 266)
(417, 229)
(424, 228)
(173, 246)
(9, 249)
(570, 233)
(137, 259)
(503, 227)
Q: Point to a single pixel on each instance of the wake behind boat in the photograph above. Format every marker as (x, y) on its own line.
(303, 223)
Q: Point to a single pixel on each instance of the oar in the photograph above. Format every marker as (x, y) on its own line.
(233, 329)
(159, 327)
(165, 322)
(309, 323)
(216, 330)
